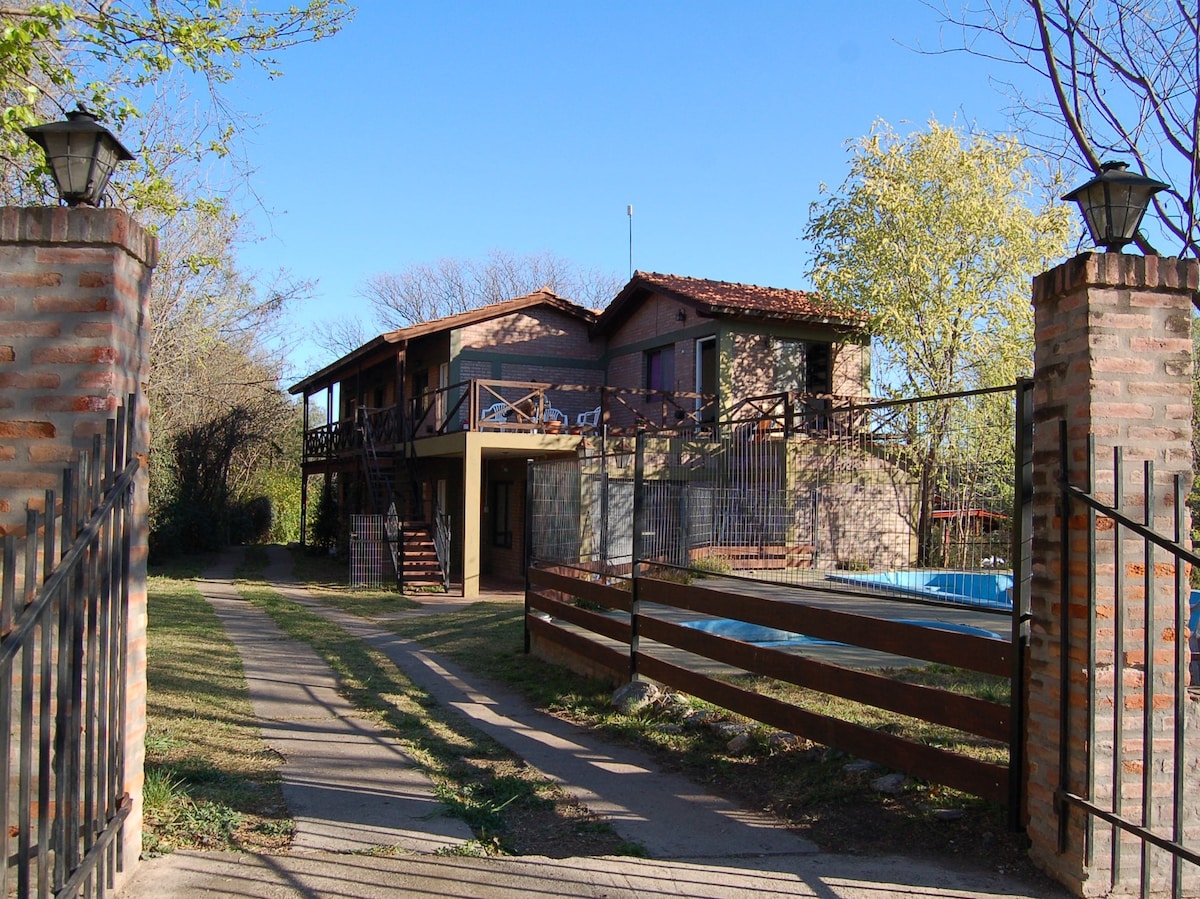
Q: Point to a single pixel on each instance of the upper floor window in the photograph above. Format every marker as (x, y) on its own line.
(660, 368)
(802, 366)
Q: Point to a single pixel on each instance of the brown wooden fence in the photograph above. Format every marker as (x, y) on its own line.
(638, 641)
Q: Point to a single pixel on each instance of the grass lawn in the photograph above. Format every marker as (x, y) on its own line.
(512, 810)
(211, 782)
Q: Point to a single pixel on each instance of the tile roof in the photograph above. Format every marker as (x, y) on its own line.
(726, 298)
(730, 296)
(543, 297)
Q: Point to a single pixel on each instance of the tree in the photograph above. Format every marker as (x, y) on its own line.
(424, 292)
(1123, 84)
(119, 57)
(933, 239)
(156, 71)
(215, 367)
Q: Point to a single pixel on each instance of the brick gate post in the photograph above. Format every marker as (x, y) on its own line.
(74, 343)
(1113, 358)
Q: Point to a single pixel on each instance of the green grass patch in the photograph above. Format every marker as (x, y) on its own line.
(211, 782)
(478, 779)
(326, 579)
(805, 784)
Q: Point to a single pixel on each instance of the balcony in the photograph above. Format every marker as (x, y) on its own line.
(521, 407)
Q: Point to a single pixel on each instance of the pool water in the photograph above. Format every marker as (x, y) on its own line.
(991, 590)
(770, 636)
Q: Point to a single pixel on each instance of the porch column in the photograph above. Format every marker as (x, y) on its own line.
(1113, 359)
(472, 508)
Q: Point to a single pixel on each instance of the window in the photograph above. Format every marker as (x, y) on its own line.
(801, 365)
(660, 369)
(502, 513)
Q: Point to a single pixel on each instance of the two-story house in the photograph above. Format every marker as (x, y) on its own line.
(437, 420)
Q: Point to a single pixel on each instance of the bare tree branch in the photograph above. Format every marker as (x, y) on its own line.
(434, 290)
(1122, 79)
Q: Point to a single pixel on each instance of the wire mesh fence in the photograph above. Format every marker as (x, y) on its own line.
(911, 496)
(371, 561)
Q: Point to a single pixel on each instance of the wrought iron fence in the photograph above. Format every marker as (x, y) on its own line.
(924, 484)
(1137, 785)
(63, 625)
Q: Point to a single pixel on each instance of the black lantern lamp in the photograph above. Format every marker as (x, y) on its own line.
(81, 153)
(1113, 204)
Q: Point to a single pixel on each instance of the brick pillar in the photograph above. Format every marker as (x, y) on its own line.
(74, 343)
(1113, 358)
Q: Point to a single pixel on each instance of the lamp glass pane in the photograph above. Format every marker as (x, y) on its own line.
(71, 157)
(1094, 214)
(106, 162)
(1129, 205)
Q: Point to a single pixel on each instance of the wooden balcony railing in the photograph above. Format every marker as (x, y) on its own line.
(790, 413)
(528, 407)
(532, 407)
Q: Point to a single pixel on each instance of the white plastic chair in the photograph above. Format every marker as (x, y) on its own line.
(552, 414)
(495, 414)
(588, 419)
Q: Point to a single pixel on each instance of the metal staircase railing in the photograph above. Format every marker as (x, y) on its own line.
(441, 545)
(379, 485)
(384, 499)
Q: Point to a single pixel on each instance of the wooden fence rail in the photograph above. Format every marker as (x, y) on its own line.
(637, 640)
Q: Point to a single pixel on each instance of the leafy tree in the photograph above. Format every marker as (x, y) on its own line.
(1122, 79)
(214, 451)
(423, 292)
(120, 57)
(325, 526)
(157, 72)
(215, 348)
(933, 239)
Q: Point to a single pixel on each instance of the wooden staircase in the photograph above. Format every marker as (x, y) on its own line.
(419, 567)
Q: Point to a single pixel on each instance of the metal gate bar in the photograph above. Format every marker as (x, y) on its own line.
(1146, 830)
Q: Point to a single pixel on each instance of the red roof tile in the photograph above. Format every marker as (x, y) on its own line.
(729, 298)
(748, 297)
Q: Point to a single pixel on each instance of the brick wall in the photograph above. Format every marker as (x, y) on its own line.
(1112, 359)
(74, 319)
(538, 331)
(653, 324)
(851, 375)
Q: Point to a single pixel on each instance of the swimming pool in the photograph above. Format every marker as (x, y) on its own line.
(991, 590)
(770, 636)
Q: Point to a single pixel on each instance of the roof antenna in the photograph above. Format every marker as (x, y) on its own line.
(629, 212)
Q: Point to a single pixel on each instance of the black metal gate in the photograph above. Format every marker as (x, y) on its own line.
(1148, 838)
(63, 624)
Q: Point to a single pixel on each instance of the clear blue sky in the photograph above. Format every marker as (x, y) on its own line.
(446, 128)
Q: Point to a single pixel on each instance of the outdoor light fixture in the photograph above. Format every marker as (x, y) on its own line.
(81, 154)
(1113, 204)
